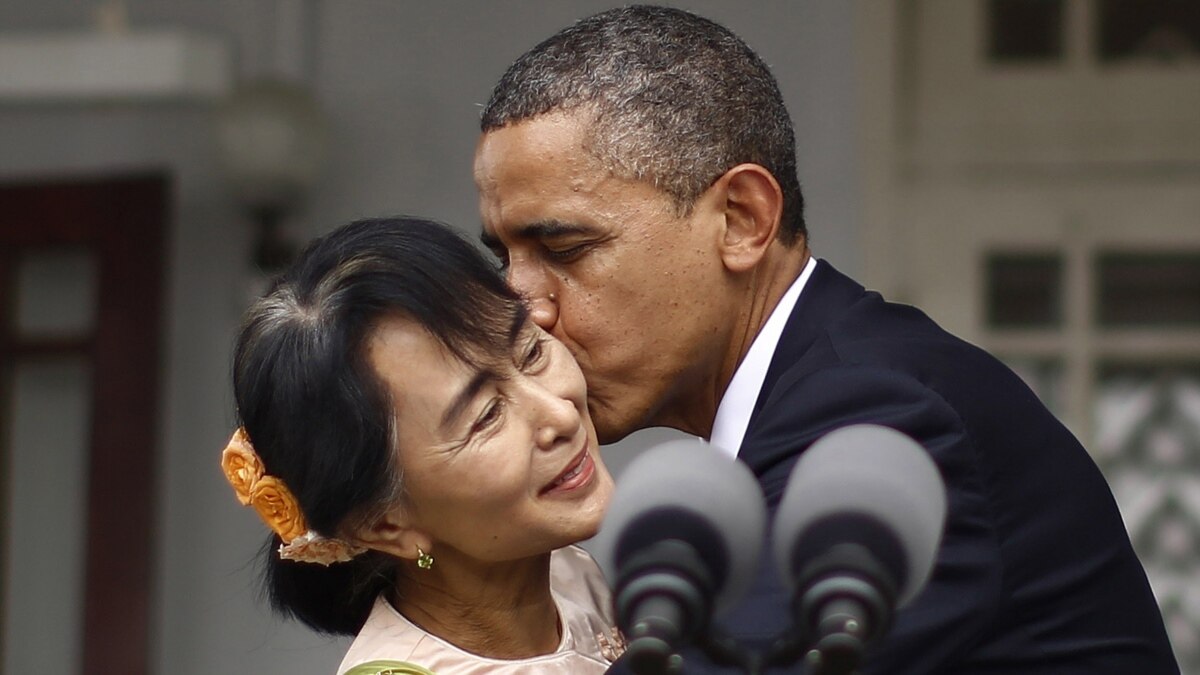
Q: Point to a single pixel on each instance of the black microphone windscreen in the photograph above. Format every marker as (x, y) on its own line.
(687, 490)
(869, 479)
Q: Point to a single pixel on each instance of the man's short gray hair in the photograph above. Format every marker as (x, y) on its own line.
(676, 100)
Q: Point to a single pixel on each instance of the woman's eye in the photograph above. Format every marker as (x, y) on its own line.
(533, 356)
(489, 416)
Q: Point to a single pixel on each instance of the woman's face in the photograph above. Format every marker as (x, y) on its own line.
(497, 465)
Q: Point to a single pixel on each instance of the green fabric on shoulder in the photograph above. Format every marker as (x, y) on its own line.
(383, 667)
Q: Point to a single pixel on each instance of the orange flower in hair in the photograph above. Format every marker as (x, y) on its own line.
(241, 465)
(312, 547)
(278, 508)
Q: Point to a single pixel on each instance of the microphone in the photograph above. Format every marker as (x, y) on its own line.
(679, 543)
(855, 538)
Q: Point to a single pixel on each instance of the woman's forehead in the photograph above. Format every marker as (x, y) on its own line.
(424, 376)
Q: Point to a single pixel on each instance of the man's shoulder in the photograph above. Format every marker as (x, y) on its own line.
(838, 320)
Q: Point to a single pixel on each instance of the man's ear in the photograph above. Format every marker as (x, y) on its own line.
(395, 535)
(753, 205)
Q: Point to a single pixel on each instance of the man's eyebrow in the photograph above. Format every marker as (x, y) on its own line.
(542, 229)
(464, 398)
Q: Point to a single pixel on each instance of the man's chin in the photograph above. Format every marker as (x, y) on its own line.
(607, 434)
(615, 437)
(610, 426)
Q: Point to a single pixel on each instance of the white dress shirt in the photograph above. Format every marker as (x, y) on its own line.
(733, 413)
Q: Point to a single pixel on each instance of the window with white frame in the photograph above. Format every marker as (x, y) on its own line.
(1109, 337)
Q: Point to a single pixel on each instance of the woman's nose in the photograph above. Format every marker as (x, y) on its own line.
(557, 419)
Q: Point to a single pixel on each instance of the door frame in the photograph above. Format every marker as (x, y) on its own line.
(122, 219)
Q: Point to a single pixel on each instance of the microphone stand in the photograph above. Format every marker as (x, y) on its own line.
(838, 652)
(838, 615)
(847, 614)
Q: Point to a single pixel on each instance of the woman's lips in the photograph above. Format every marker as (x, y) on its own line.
(577, 475)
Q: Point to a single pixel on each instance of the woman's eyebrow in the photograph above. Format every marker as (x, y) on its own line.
(520, 318)
(464, 398)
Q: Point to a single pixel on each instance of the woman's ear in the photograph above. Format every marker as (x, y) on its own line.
(393, 534)
(752, 202)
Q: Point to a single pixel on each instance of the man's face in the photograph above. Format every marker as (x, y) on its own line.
(633, 290)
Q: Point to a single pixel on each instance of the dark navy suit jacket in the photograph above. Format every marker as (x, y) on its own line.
(1035, 574)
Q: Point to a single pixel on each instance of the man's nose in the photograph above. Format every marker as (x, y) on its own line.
(544, 312)
(538, 294)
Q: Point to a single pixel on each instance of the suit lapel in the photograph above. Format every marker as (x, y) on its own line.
(826, 295)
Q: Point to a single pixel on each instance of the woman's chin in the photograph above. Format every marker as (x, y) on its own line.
(590, 525)
(588, 532)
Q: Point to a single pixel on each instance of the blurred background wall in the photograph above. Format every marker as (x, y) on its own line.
(987, 160)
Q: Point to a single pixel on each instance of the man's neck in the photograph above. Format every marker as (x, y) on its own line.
(501, 611)
(770, 280)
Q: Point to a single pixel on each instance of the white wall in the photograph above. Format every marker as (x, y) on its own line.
(402, 82)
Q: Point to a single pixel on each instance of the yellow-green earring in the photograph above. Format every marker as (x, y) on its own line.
(424, 560)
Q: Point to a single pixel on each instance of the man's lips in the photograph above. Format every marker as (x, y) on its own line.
(577, 474)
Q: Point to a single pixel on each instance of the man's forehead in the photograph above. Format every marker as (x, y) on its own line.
(555, 136)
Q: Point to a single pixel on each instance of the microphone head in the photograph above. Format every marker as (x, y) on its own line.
(686, 490)
(870, 485)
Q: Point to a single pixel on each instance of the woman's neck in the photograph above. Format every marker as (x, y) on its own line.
(501, 610)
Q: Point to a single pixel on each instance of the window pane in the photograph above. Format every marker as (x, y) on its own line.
(56, 292)
(1148, 289)
(1025, 30)
(47, 519)
(1147, 440)
(1024, 290)
(1157, 30)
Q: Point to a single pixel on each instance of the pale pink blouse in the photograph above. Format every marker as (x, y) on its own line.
(589, 644)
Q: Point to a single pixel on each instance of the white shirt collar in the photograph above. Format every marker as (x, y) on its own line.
(733, 413)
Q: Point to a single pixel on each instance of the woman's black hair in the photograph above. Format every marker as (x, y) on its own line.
(321, 419)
